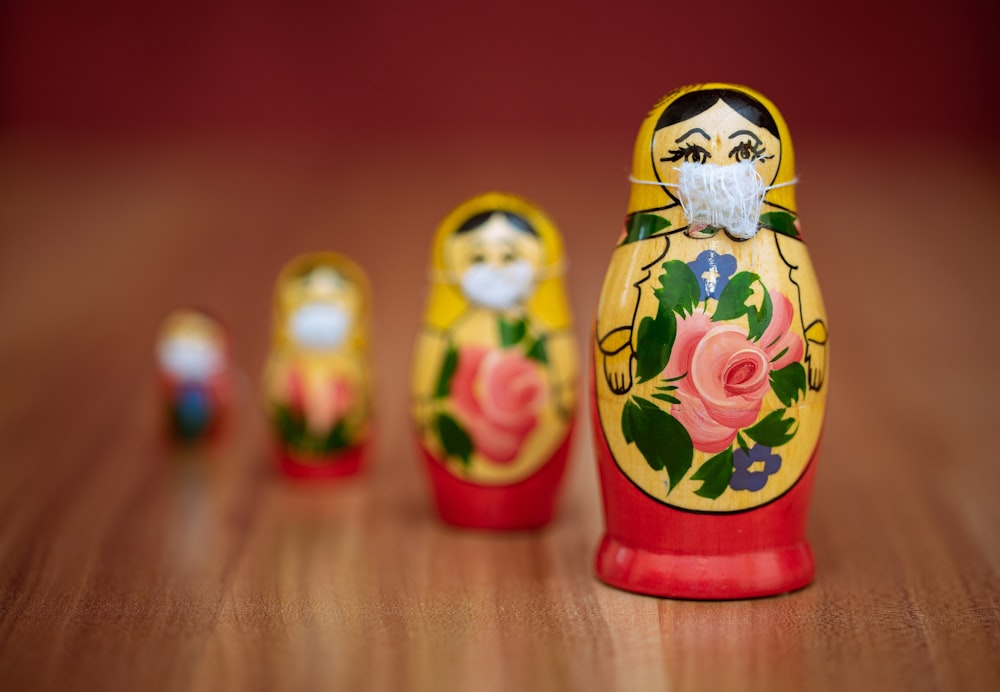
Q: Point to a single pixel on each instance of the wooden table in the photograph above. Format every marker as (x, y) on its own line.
(125, 565)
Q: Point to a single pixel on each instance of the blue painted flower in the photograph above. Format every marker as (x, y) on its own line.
(713, 271)
(745, 479)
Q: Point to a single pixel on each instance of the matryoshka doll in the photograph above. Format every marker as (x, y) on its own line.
(494, 373)
(317, 381)
(709, 356)
(192, 354)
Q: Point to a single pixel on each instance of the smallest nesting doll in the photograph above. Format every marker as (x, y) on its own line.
(192, 353)
(495, 368)
(317, 380)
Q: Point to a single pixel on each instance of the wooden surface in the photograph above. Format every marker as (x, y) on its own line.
(125, 565)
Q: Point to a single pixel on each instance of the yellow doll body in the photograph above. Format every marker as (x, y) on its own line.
(494, 382)
(317, 380)
(713, 342)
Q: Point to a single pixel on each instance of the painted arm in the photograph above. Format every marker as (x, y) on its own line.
(811, 310)
(562, 358)
(432, 347)
(619, 305)
(616, 347)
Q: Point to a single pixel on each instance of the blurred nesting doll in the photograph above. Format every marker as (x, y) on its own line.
(709, 358)
(192, 353)
(317, 380)
(494, 373)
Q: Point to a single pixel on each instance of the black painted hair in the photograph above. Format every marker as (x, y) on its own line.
(518, 222)
(696, 102)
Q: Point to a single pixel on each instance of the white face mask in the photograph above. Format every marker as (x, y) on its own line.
(728, 196)
(189, 359)
(500, 287)
(320, 326)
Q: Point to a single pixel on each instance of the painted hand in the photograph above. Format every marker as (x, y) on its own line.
(617, 349)
(815, 358)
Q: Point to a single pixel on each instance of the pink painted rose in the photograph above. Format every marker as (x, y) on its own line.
(728, 375)
(324, 402)
(497, 396)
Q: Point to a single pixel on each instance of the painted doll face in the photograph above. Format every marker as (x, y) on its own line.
(718, 136)
(496, 263)
(191, 347)
(320, 307)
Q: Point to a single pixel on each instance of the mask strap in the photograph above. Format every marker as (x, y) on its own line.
(551, 271)
(639, 181)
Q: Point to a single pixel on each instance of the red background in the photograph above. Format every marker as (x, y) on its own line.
(327, 73)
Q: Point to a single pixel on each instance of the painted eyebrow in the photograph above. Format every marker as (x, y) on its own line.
(691, 132)
(745, 132)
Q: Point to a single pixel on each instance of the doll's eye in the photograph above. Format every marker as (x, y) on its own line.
(478, 258)
(691, 153)
(508, 257)
(748, 151)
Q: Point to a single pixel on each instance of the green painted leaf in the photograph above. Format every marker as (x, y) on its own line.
(628, 420)
(511, 333)
(678, 294)
(679, 289)
(289, 425)
(733, 299)
(759, 319)
(454, 439)
(789, 383)
(773, 430)
(642, 226)
(716, 472)
(780, 222)
(659, 437)
(654, 342)
(666, 397)
(537, 351)
(741, 441)
(448, 366)
(733, 304)
(339, 438)
(294, 432)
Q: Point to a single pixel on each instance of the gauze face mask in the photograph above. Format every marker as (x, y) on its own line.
(500, 287)
(319, 325)
(726, 196)
(189, 359)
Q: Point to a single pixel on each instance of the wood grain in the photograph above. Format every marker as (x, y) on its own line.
(126, 564)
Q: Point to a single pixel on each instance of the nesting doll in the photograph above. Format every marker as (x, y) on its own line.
(494, 373)
(709, 350)
(317, 381)
(192, 354)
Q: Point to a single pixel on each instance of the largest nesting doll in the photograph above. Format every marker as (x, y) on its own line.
(494, 373)
(709, 358)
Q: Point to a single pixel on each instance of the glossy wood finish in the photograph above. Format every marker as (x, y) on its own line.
(126, 565)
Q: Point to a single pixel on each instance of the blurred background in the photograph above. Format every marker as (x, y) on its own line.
(331, 73)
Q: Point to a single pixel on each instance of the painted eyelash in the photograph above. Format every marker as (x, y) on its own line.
(757, 151)
(688, 152)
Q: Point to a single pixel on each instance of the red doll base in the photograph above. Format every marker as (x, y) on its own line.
(654, 549)
(527, 504)
(344, 463)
